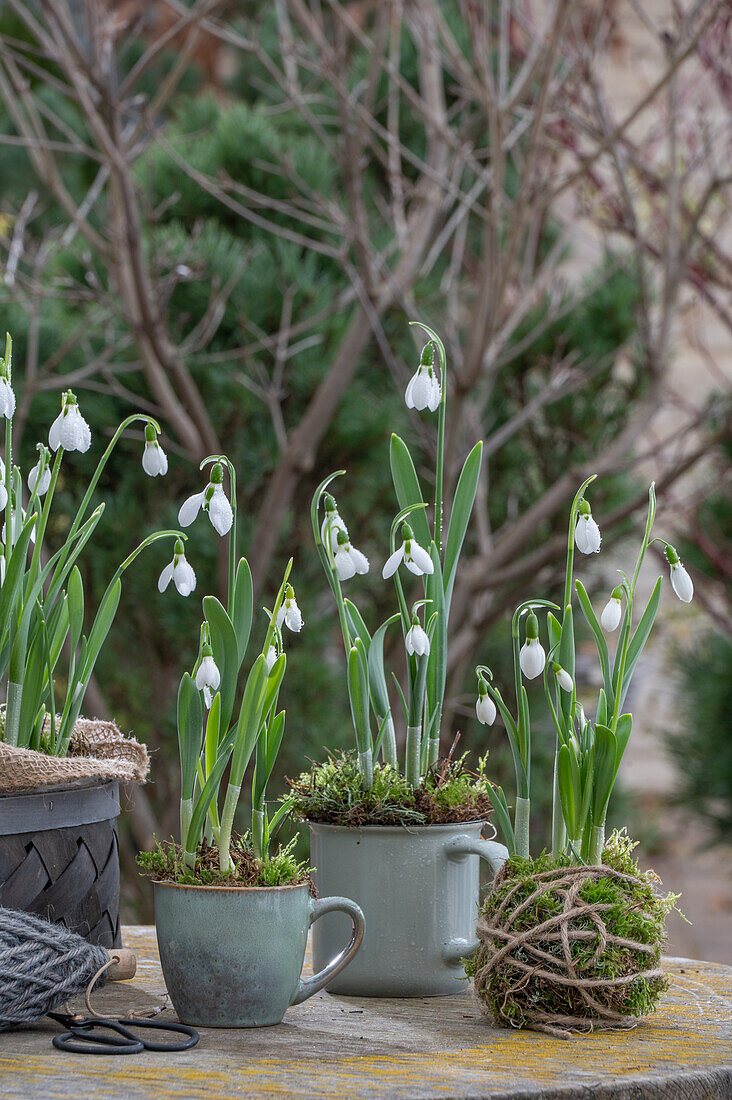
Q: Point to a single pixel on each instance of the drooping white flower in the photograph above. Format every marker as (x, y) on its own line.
(563, 678)
(348, 560)
(212, 500)
(208, 676)
(417, 641)
(179, 571)
(270, 658)
(289, 613)
(532, 657)
(612, 612)
(154, 458)
(332, 520)
(7, 399)
(414, 556)
(41, 488)
(423, 390)
(587, 535)
(69, 430)
(485, 708)
(681, 582)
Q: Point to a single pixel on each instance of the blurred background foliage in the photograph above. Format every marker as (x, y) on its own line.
(198, 249)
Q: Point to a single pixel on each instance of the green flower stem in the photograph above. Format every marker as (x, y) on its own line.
(186, 813)
(597, 844)
(440, 464)
(258, 833)
(413, 751)
(227, 823)
(559, 831)
(41, 527)
(521, 827)
(366, 768)
(12, 712)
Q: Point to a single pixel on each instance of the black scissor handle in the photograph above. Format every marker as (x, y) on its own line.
(126, 1028)
(83, 1038)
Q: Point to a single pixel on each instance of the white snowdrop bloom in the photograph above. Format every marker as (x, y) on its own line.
(532, 657)
(417, 641)
(33, 483)
(289, 613)
(154, 458)
(7, 399)
(563, 678)
(414, 556)
(587, 535)
(18, 520)
(270, 658)
(208, 676)
(212, 500)
(485, 709)
(333, 520)
(612, 612)
(69, 430)
(348, 560)
(179, 571)
(423, 390)
(681, 583)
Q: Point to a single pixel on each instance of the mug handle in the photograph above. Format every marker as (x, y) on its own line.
(318, 908)
(458, 849)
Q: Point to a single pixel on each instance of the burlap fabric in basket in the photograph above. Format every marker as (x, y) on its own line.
(97, 750)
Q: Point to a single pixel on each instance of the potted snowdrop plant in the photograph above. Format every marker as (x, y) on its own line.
(400, 832)
(49, 646)
(571, 939)
(232, 916)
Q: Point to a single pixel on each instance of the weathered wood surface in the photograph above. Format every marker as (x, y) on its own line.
(440, 1047)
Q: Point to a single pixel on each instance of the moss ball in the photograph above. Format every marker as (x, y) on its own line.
(565, 947)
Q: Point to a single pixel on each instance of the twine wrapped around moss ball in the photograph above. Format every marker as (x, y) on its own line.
(552, 955)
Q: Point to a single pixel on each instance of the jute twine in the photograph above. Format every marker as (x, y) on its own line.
(528, 965)
(97, 750)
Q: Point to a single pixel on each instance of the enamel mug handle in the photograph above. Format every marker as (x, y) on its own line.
(458, 849)
(318, 908)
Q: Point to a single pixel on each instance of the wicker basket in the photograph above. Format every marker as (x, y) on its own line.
(59, 857)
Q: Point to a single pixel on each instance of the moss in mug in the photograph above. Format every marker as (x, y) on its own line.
(165, 864)
(332, 793)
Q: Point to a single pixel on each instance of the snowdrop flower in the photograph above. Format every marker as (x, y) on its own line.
(18, 520)
(290, 613)
(69, 430)
(587, 535)
(414, 556)
(563, 678)
(213, 501)
(532, 657)
(612, 611)
(208, 676)
(270, 658)
(40, 487)
(3, 490)
(154, 458)
(7, 398)
(485, 708)
(179, 571)
(332, 518)
(417, 641)
(348, 560)
(681, 582)
(423, 391)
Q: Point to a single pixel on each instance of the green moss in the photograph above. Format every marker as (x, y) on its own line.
(633, 911)
(332, 793)
(165, 864)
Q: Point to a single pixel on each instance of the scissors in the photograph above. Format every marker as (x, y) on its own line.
(99, 1035)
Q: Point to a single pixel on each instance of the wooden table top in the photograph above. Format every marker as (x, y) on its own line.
(429, 1047)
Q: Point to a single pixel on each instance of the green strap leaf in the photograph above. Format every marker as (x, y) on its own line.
(358, 695)
(204, 800)
(602, 650)
(640, 637)
(503, 817)
(75, 590)
(408, 490)
(242, 607)
(462, 507)
(190, 732)
(250, 720)
(226, 654)
(605, 771)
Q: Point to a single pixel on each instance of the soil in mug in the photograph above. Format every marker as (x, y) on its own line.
(165, 864)
(450, 793)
